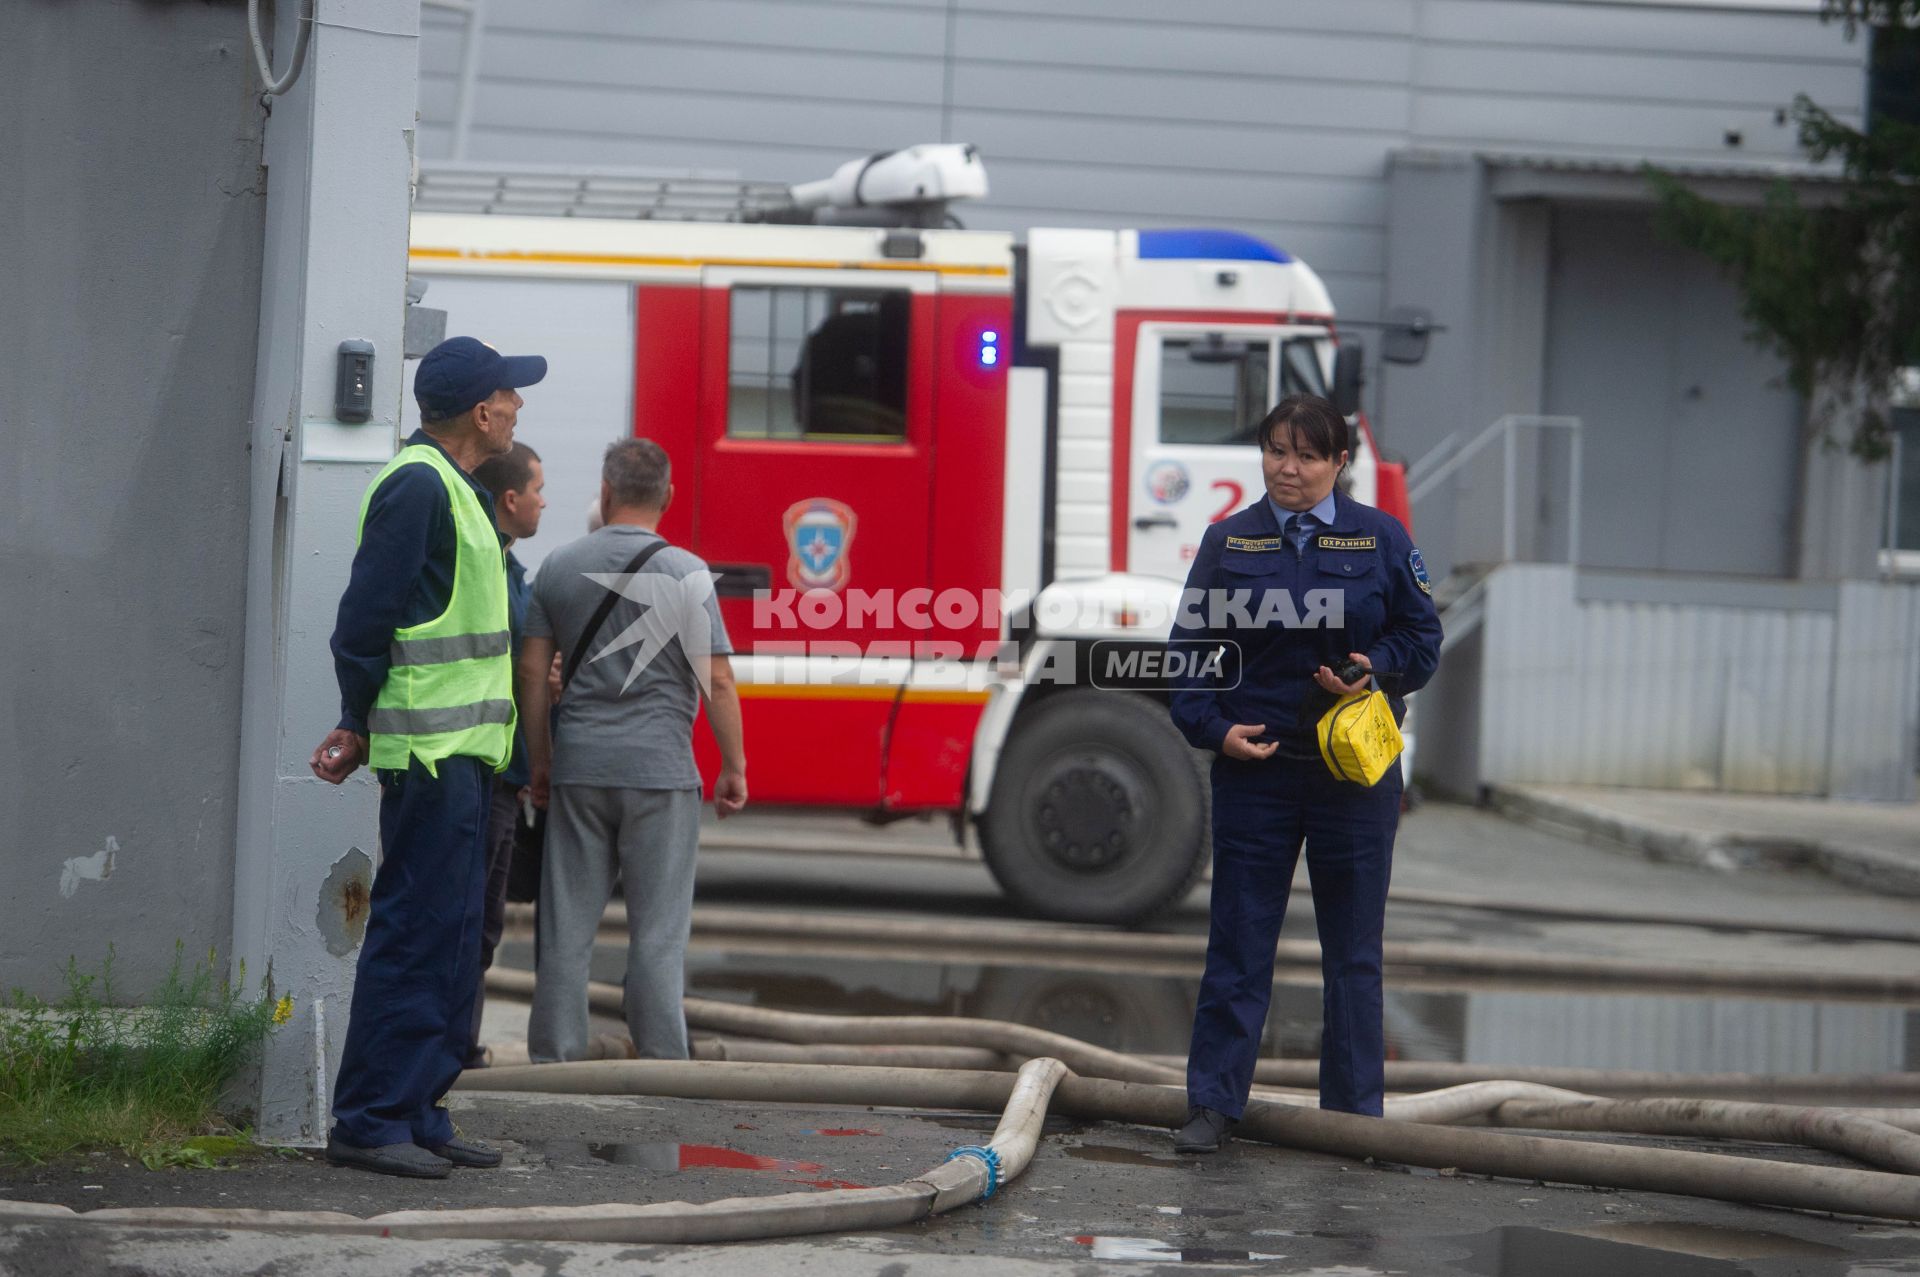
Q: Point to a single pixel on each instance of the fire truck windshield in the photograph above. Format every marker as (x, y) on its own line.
(1300, 372)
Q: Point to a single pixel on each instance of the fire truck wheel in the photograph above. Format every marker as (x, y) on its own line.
(1097, 814)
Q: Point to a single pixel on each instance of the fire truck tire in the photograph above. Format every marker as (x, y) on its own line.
(1097, 813)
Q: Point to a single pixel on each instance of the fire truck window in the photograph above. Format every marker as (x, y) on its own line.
(1213, 391)
(1300, 372)
(818, 364)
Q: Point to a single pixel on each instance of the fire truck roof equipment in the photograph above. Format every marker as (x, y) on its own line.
(918, 175)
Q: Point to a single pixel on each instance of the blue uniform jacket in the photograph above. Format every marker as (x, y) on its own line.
(402, 575)
(1363, 572)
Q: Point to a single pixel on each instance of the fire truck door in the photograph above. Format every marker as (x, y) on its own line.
(813, 486)
(1198, 394)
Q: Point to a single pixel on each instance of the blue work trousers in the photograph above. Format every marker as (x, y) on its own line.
(412, 1017)
(1261, 813)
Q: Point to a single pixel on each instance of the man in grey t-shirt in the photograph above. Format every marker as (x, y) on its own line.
(616, 771)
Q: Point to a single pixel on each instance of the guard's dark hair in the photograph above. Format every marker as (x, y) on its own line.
(511, 471)
(638, 472)
(1311, 422)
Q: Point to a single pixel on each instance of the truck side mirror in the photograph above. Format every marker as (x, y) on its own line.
(1405, 341)
(1348, 359)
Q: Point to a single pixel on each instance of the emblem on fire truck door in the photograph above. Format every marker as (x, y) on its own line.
(1167, 482)
(819, 533)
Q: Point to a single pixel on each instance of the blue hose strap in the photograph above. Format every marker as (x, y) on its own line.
(986, 1155)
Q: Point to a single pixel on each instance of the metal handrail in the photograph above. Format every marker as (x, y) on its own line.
(1504, 430)
(1434, 456)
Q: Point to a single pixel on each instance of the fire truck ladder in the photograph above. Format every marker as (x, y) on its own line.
(915, 186)
(639, 194)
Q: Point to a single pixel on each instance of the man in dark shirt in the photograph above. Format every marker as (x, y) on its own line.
(515, 480)
(425, 673)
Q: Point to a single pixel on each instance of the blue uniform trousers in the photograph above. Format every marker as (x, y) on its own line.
(411, 1021)
(1261, 812)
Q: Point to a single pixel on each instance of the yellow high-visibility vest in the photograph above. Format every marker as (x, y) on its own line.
(449, 689)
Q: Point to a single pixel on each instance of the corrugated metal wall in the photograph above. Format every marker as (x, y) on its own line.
(1271, 116)
(1677, 682)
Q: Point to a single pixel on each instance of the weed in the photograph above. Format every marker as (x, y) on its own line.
(83, 1073)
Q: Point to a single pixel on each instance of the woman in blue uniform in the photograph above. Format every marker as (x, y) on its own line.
(1303, 580)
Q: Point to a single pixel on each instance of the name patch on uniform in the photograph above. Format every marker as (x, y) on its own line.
(1261, 544)
(1419, 573)
(1345, 543)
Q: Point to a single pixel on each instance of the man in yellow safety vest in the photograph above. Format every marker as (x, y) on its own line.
(421, 650)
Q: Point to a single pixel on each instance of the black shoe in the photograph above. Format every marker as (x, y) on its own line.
(467, 1153)
(1204, 1132)
(408, 1160)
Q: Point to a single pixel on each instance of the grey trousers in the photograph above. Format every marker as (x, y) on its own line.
(648, 837)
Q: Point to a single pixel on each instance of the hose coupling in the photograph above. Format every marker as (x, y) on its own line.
(991, 1157)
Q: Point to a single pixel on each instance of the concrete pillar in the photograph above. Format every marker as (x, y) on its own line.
(338, 155)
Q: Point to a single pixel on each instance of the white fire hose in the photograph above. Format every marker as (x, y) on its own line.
(1145, 1092)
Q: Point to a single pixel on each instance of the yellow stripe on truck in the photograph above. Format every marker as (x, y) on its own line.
(616, 259)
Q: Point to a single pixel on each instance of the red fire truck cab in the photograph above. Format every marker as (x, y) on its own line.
(949, 480)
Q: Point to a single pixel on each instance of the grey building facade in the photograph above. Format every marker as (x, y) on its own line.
(1476, 157)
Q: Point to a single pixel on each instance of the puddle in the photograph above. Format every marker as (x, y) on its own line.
(1201, 1212)
(1711, 1241)
(1153, 1250)
(1153, 1013)
(1643, 1249)
(1115, 1155)
(669, 1158)
(989, 1122)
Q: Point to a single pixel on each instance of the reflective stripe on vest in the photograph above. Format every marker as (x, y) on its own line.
(449, 684)
(427, 722)
(460, 647)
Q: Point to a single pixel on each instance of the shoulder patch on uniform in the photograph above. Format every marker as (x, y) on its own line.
(1261, 544)
(1419, 572)
(1347, 543)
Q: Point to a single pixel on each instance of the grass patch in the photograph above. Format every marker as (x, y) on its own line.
(82, 1073)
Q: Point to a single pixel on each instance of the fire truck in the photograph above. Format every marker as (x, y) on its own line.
(950, 480)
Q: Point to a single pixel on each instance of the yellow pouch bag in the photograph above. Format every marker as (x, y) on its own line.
(1358, 738)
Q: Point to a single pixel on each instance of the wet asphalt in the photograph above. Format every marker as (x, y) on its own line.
(1101, 1197)
(1097, 1198)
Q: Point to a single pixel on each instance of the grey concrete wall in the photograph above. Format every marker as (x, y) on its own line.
(130, 240)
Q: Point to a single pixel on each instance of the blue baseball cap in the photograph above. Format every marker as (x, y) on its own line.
(462, 371)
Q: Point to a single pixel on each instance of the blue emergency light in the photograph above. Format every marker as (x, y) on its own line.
(989, 348)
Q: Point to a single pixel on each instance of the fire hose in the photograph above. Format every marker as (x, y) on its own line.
(1145, 1094)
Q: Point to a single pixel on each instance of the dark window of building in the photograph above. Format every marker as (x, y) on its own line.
(1893, 76)
(1906, 426)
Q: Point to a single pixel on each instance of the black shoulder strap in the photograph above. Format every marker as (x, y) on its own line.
(605, 610)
